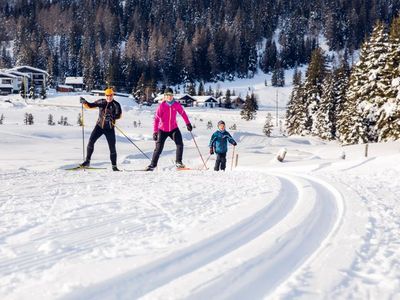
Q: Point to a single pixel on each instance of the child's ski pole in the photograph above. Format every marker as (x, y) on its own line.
(83, 135)
(206, 162)
(233, 156)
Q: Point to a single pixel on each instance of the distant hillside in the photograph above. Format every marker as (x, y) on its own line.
(135, 43)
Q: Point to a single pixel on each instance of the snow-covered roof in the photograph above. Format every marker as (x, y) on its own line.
(30, 68)
(176, 96)
(202, 99)
(11, 71)
(65, 86)
(8, 75)
(74, 80)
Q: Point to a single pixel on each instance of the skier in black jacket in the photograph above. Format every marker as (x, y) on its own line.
(109, 111)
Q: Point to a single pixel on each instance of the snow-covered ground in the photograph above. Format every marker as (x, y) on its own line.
(316, 226)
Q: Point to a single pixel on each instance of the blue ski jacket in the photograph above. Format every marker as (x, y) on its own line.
(219, 141)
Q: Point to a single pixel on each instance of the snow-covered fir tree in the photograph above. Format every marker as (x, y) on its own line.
(50, 120)
(228, 100)
(367, 89)
(278, 75)
(388, 123)
(312, 91)
(324, 116)
(341, 82)
(296, 115)
(268, 126)
(250, 108)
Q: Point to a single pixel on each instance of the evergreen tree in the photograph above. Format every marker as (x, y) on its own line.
(278, 75)
(368, 88)
(30, 119)
(26, 119)
(43, 94)
(201, 91)
(388, 120)
(191, 89)
(296, 113)
(269, 57)
(268, 125)
(250, 108)
(296, 80)
(313, 87)
(50, 120)
(340, 86)
(228, 101)
(324, 119)
(210, 91)
(22, 91)
(5, 58)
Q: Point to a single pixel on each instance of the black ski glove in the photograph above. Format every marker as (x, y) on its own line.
(189, 127)
(234, 143)
(155, 136)
(211, 150)
(82, 100)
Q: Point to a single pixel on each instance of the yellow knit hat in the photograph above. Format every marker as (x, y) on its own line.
(109, 92)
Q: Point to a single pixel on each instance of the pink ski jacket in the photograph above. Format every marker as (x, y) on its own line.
(165, 118)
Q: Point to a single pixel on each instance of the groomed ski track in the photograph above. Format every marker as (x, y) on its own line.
(267, 248)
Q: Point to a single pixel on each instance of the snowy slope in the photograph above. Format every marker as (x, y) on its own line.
(313, 227)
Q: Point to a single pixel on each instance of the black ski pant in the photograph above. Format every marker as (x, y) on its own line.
(162, 136)
(220, 163)
(110, 136)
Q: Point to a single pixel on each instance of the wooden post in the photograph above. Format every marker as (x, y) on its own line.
(366, 150)
(236, 160)
(281, 155)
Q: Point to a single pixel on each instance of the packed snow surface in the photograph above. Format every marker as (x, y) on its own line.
(315, 226)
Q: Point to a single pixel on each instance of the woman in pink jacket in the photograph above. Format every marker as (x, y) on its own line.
(165, 126)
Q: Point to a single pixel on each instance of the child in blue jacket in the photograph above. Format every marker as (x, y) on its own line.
(219, 145)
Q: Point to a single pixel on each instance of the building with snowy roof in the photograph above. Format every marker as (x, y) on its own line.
(185, 99)
(206, 101)
(36, 77)
(75, 82)
(8, 83)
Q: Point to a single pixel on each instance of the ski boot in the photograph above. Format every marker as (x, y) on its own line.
(115, 168)
(85, 164)
(149, 168)
(179, 165)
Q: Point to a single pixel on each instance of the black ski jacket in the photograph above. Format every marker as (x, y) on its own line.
(108, 112)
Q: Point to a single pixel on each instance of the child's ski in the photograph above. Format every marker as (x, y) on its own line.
(84, 168)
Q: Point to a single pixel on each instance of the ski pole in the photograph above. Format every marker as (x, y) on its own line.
(119, 129)
(206, 162)
(83, 134)
(233, 156)
(201, 156)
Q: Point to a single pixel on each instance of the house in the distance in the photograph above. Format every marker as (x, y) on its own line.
(185, 99)
(75, 82)
(206, 101)
(237, 102)
(63, 88)
(21, 78)
(37, 77)
(7, 83)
